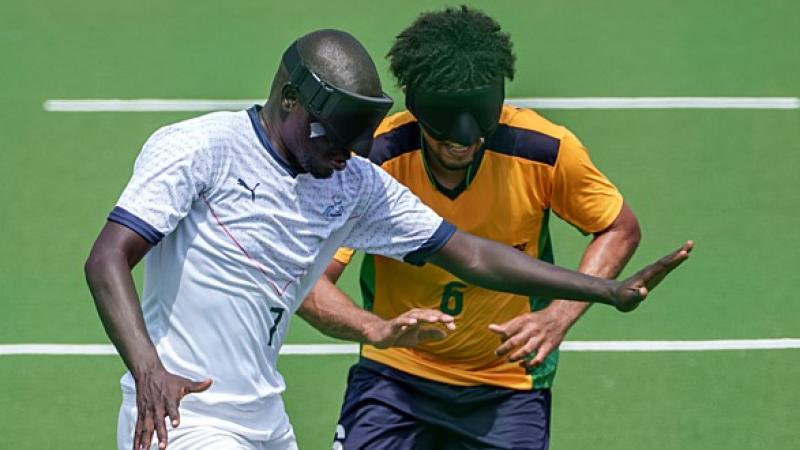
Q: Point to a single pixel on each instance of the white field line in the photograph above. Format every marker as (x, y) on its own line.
(155, 105)
(352, 349)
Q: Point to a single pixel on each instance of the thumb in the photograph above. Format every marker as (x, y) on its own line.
(431, 334)
(400, 324)
(197, 386)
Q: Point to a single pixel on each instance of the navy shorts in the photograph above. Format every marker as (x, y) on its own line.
(386, 409)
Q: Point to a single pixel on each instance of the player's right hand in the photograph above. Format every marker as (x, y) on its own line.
(635, 289)
(411, 328)
(158, 395)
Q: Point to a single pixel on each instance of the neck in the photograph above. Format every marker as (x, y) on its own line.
(449, 178)
(268, 117)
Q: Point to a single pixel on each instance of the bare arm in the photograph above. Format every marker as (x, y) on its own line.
(329, 310)
(108, 272)
(606, 256)
(502, 268)
(332, 312)
(543, 331)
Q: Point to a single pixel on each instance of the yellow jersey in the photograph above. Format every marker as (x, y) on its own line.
(526, 169)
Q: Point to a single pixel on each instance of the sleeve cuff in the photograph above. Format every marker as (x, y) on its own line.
(440, 237)
(145, 230)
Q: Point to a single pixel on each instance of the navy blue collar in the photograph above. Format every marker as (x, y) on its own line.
(253, 112)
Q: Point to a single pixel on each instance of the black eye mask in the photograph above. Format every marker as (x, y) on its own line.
(349, 119)
(459, 116)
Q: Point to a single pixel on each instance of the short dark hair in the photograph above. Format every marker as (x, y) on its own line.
(458, 48)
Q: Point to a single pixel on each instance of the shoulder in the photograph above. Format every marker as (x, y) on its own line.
(397, 135)
(201, 143)
(524, 134)
(199, 132)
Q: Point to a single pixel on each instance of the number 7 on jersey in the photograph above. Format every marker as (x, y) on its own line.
(277, 313)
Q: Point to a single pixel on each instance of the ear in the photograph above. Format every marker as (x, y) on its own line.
(288, 97)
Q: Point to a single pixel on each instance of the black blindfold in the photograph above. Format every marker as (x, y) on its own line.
(458, 116)
(349, 119)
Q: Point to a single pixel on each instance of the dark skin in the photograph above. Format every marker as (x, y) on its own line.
(608, 253)
(108, 272)
(478, 261)
(541, 332)
(536, 333)
(118, 249)
(340, 61)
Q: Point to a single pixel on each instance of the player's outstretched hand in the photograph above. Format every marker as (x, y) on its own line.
(158, 394)
(635, 289)
(411, 328)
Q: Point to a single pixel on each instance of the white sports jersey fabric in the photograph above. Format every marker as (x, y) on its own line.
(240, 239)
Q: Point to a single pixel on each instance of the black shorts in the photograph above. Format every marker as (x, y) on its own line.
(386, 409)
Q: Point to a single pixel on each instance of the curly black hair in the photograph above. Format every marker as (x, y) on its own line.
(458, 48)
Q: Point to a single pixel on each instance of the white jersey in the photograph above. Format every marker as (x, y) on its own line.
(240, 239)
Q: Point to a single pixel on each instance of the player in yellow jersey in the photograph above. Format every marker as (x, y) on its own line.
(497, 172)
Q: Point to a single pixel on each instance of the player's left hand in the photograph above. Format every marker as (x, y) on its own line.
(538, 332)
(411, 328)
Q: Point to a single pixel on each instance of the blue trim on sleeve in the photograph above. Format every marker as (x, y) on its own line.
(262, 136)
(142, 228)
(434, 243)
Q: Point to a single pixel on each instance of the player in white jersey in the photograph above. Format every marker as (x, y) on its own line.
(238, 214)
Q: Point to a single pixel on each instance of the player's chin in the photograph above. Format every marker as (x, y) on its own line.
(321, 172)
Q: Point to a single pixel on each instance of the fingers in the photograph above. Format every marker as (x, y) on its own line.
(529, 347)
(520, 347)
(636, 288)
(509, 344)
(501, 330)
(151, 418)
(161, 428)
(653, 274)
(174, 413)
(146, 430)
(431, 316)
(495, 328)
(507, 330)
(512, 335)
(137, 432)
(530, 338)
(677, 257)
(541, 354)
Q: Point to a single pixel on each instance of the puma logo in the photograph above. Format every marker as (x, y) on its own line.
(241, 183)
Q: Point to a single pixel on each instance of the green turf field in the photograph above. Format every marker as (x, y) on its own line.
(726, 178)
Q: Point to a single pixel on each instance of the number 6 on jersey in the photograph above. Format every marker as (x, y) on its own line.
(452, 298)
